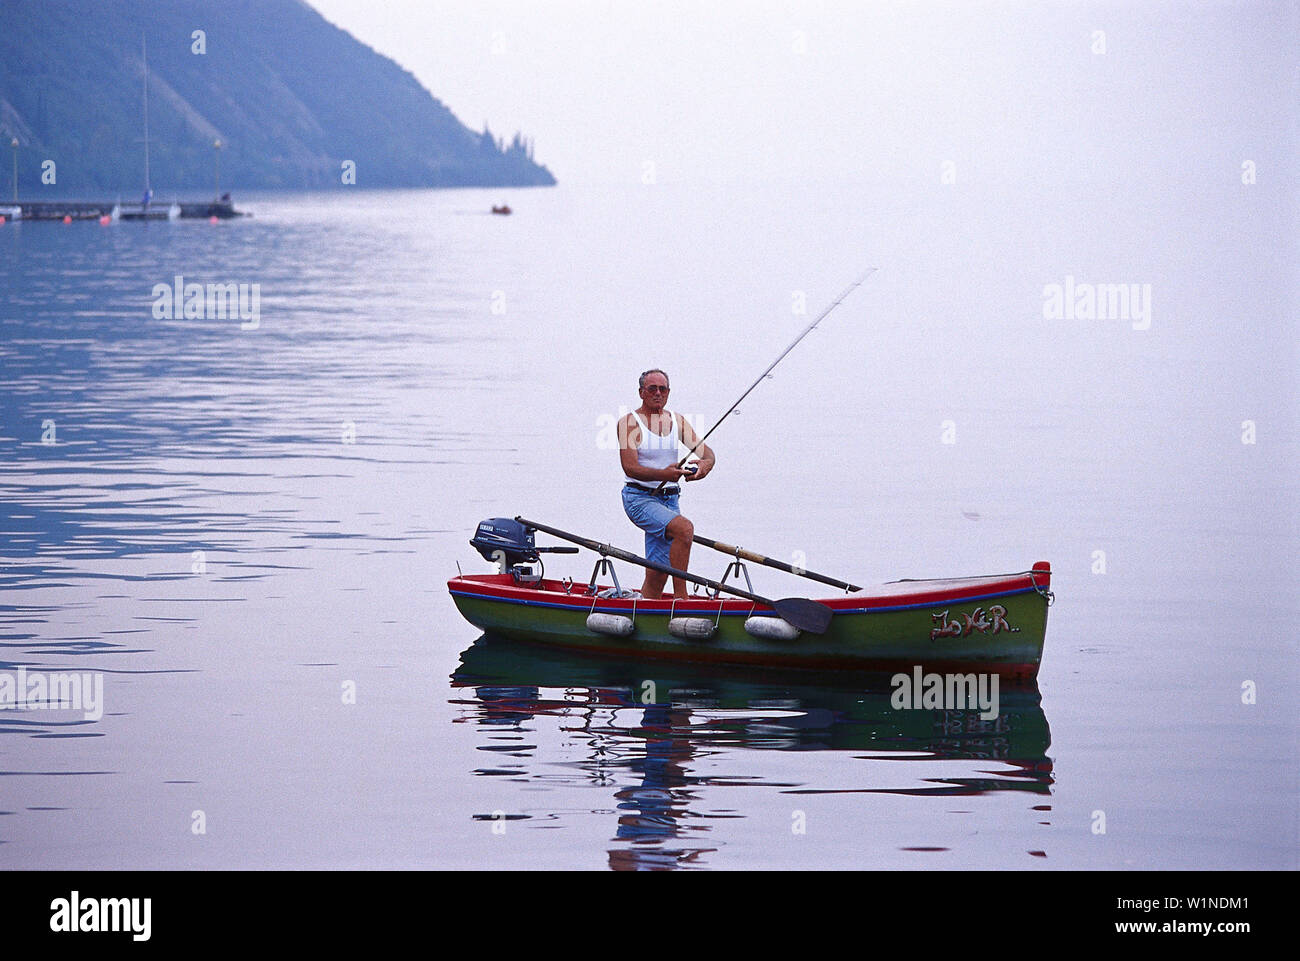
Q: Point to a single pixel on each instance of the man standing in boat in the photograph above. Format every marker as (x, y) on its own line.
(648, 451)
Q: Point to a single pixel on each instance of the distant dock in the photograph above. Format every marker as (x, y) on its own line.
(64, 210)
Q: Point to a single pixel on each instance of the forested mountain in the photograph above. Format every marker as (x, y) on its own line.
(290, 96)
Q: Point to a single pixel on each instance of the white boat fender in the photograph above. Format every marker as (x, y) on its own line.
(771, 628)
(615, 625)
(691, 628)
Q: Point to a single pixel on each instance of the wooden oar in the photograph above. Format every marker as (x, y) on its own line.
(806, 615)
(771, 562)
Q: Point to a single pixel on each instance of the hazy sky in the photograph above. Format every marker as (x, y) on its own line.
(835, 90)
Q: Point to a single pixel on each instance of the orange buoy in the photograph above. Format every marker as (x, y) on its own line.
(213, 219)
(105, 220)
(2, 220)
(67, 218)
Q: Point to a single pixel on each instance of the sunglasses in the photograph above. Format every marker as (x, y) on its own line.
(655, 389)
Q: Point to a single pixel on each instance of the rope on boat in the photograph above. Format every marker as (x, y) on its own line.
(752, 608)
(1043, 591)
(617, 595)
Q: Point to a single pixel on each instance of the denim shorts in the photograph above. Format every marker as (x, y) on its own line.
(652, 514)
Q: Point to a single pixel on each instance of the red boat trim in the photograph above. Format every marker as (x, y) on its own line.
(527, 597)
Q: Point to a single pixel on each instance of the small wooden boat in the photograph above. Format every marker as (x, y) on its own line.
(503, 209)
(993, 624)
(146, 212)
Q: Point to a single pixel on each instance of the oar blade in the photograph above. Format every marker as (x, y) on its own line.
(807, 615)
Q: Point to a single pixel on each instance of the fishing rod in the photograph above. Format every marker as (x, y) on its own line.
(802, 334)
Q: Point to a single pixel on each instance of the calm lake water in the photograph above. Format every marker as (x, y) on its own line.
(248, 532)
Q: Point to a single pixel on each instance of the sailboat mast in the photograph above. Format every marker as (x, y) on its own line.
(144, 49)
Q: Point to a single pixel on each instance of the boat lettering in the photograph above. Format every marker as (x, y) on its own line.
(963, 625)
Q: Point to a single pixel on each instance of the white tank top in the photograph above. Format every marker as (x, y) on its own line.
(655, 451)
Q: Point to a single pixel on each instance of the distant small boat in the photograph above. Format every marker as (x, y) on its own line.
(148, 212)
(503, 209)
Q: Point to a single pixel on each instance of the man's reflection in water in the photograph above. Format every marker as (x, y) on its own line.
(651, 811)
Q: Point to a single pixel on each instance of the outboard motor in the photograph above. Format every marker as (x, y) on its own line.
(505, 540)
(498, 536)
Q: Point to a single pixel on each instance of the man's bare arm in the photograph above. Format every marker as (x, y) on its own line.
(705, 458)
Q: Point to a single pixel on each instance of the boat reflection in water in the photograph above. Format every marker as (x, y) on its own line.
(643, 722)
